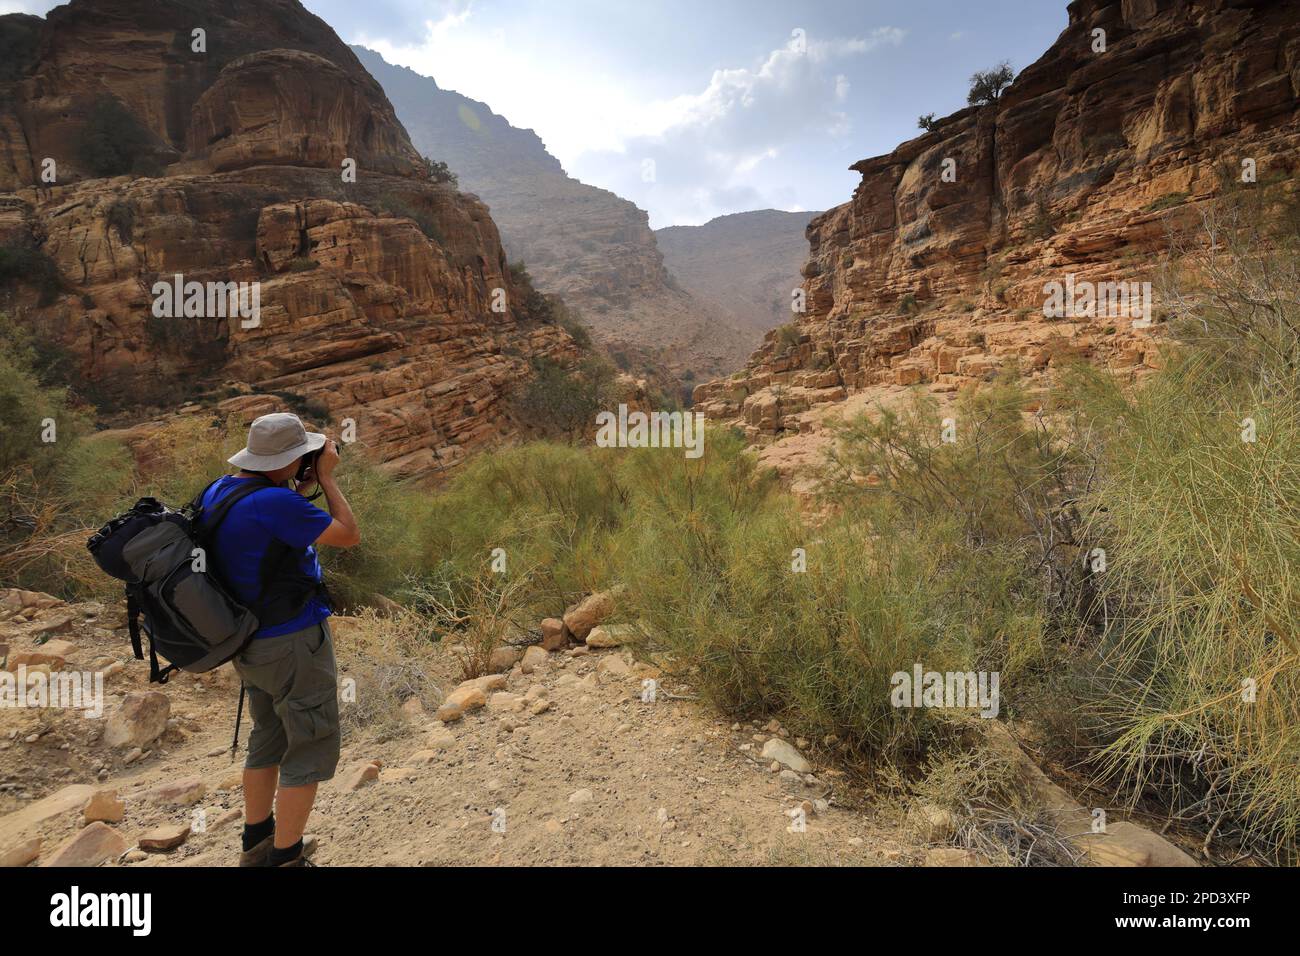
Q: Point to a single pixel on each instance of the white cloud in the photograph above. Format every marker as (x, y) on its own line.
(709, 146)
(518, 76)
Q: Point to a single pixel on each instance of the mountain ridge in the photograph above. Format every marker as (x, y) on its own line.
(584, 243)
(746, 265)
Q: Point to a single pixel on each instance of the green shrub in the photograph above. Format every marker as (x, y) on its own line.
(439, 171)
(534, 306)
(394, 205)
(24, 263)
(1197, 521)
(559, 402)
(121, 218)
(51, 466)
(986, 86)
(787, 337)
(570, 320)
(1044, 223)
(1167, 201)
(113, 142)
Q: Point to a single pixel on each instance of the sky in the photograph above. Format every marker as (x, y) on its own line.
(698, 108)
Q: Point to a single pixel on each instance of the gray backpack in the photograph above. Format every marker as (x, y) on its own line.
(190, 616)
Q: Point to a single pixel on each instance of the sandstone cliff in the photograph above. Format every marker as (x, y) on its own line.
(1085, 166)
(376, 295)
(745, 266)
(583, 243)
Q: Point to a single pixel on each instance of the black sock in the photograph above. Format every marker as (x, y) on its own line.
(279, 856)
(255, 833)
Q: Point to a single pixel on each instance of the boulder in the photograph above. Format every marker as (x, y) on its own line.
(460, 701)
(94, 845)
(779, 751)
(588, 613)
(951, 856)
(105, 807)
(934, 823)
(612, 635)
(614, 665)
(183, 793)
(504, 658)
(360, 774)
(70, 798)
(55, 624)
(440, 739)
(20, 854)
(166, 837)
(502, 703)
(553, 636)
(486, 683)
(52, 654)
(139, 720)
(533, 658)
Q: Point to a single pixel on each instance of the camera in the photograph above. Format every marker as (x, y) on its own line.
(307, 466)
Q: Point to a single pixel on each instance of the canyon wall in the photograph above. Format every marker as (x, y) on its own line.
(1084, 167)
(745, 265)
(585, 244)
(385, 297)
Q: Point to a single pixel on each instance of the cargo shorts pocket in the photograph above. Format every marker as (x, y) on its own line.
(315, 716)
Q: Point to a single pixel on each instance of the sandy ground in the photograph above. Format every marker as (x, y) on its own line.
(601, 777)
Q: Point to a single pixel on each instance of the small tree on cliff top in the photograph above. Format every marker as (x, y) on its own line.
(987, 85)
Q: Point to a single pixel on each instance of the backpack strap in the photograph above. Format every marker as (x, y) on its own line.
(133, 620)
(285, 590)
(206, 521)
(157, 675)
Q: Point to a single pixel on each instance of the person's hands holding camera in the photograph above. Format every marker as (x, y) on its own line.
(326, 461)
(321, 466)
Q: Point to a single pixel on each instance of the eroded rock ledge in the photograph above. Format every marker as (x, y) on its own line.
(1086, 166)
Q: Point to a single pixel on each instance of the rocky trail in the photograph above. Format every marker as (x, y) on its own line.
(563, 758)
(557, 761)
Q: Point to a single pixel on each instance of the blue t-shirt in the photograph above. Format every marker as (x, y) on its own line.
(246, 532)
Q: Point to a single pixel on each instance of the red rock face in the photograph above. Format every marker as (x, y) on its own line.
(293, 108)
(1084, 167)
(142, 53)
(386, 300)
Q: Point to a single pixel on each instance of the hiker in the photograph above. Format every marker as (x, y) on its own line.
(288, 667)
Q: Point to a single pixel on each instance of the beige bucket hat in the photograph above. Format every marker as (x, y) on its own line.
(276, 440)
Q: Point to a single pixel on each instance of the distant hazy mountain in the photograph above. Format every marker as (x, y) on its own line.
(586, 244)
(744, 266)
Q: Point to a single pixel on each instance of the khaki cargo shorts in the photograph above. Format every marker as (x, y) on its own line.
(293, 698)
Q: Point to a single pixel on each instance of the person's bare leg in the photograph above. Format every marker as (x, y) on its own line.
(259, 793)
(292, 808)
